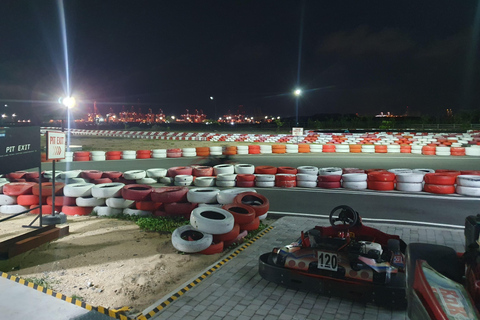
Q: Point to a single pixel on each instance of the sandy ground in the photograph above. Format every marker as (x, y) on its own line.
(106, 262)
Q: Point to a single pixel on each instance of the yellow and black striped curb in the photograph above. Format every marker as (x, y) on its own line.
(207, 273)
(105, 311)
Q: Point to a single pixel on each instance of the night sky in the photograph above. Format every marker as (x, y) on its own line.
(356, 56)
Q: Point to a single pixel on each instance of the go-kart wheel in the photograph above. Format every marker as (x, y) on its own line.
(347, 216)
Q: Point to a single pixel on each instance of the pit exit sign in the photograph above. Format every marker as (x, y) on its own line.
(55, 145)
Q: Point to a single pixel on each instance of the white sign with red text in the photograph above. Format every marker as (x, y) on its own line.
(55, 145)
(297, 131)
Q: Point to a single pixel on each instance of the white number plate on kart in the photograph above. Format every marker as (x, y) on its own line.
(327, 261)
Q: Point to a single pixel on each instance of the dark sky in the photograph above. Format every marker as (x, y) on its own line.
(356, 56)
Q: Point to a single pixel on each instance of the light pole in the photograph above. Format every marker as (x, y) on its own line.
(214, 107)
(69, 103)
(297, 93)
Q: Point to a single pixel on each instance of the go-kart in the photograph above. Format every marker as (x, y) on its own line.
(346, 259)
(444, 284)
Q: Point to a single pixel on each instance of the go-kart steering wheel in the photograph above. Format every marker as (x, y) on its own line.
(348, 217)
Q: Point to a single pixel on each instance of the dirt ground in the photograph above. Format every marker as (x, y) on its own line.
(108, 262)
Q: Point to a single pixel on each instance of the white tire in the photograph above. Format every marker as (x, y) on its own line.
(129, 152)
(317, 148)
(189, 154)
(264, 177)
(242, 149)
(472, 151)
(423, 171)
(184, 178)
(409, 177)
(69, 174)
(223, 169)
(129, 156)
(49, 174)
(355, 185)
(98, 153)
(136, 212)
(226, 177)
(204, 181)
(160, 151)
(306, 184)
(156, 173)
(265, 184)
(367, 148)
(263, 216)
(159, 155)
(134, 174)
(223, 183)
(307, 170)
(166, 180)
(202, 240)
(215, 149)
(96, 158)
(89, 202)
(354, 177)
(468, 191)
(400, 170)
(7, 200)
(468, 180)
(409, 186)
(104, 211)
(119, 203)
(71, 180)
(442, 153)
(78, 190)
(306, 177)
(342, 148)
(147, 181)
(202, 195)
(330, 171)
(227, 196)
(244, 169)
(212, 220)
(210, 205)
(107, 190)
(182, 183)
(265, 149)
(12, 208)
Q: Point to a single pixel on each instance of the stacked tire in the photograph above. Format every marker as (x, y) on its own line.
(468, 185)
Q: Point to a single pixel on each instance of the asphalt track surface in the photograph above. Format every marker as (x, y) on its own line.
(388, 206)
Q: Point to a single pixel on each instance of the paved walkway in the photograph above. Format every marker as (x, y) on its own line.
(236, 290)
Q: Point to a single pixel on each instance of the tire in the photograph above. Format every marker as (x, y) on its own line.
(409, 186)
(380, 185)
(174, 171)
(78, 190)
(263, 216)
(169, 194)
(146, 181)
(228, 184)
(354, 177)
(216, 247)
(440, 178)
(286, 170)
(212, 220)
(12, 208)
(410, 177)
(329, 184)
(89, 202)
(267, 170)
(226, 177)
(202, 195)
(259, 202)
(264, 177)
(204, 181)
(148, 205)
(136, 212)
(466, 191)
(242, 213)
(184, 178)
(310, 170)
(423, 171)
(91, 174)
(62, 201)
(329, 178)
(228, 196)
(265, 184)
(439, 188)
(119, 203)
(245, 177)
(101, 181)
(176, 209)
(76, 211)
(69, 174)
(229, 236)
(137, 192)
(330, 171)
(239, 239)
(202, 171)
(306, 177)
(244, 169)
(381, 176)
(156, 173)
(354, 185)
(468, 181)
(134, 174)
(104, 211)
(223, 169)
(202, 240)
(18, 188)
(30, 200)
(107, 190)
(306, 184)
(251, 226)
(112, 174)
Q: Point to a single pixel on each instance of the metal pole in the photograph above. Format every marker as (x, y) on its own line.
(53, 187)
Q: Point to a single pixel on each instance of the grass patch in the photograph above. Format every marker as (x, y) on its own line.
(43, 282)
(79, 298)
(157, 224)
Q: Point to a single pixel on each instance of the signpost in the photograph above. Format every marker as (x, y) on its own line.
(297, 132)
(55, 151)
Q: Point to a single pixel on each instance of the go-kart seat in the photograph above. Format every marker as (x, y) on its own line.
(319, 241)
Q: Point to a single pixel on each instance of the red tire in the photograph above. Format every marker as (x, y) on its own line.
(329, 184)
(18, 188)
(179, 208)
(102, 180)
(381, 176)
(259, 202)
(79, 211)
(16, 175)
(213, 249)
(372, 170)
(265, 170)
(144, 152)
(144, 156)
(148, 205)
(227, 236)
(47, 188)
(46, 209)
(245, 177)
(238, 239)
(112, 174)
(329, 178)
(202, 171)
(380, 185)
(91, 174)
(242, 213)
(440, 178)
(30, 200)
(77, 158)
(471, 172)
(137, 192)
(446, 171)
(113, 153)
(289, 170)
(245, 184)
(175, 171)
(251, 226)
(170, 194)
(439, 188)
(81, 154)
(62, 201)
(285, 184)
(32, 175)
(113, 158)
(285, 177)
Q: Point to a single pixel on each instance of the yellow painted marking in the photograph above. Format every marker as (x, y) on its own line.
(59, 295)
(69, 300)
(49, 292)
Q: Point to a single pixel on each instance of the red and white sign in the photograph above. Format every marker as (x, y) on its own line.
(297, 131)
(55, 145)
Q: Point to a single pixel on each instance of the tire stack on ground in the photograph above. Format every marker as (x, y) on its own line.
(409, 181)
(10, 193)
(113, 201)
(330, 177)
(468, 185)
(381, 180)
(174, 200)
(286, 177)
(440, 182)
(307, 176)
(265, 176)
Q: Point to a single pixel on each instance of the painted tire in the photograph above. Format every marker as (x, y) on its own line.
(381, 185)
(244, 169)
(306, 184)
(18, 188)
(148, 205)
(285, 177)
(440, 178)
(423, 171)
(468, 181)
(267, 170)
(112, 174)
(78, 190)
(265, 184)
(466, 191)
(174, 171)
(15, 175)
(47, 189)
(409, 177)
(89, 202)
(259, 202)
(212, 220)
(285, 184)
(104, 211)
(355, 185)
(107, 190)
(169, 194)
(202, 195)
(409, 186)
(242, 213)
(30, 200)
(156, 173)
(62, 201)
(264, 177)
(46, 209)
(200, 240)
(329, 178)
(146, 181)
(216, 247)
(306, 177)
(119, 203)
(439, 188)
(245, 184)
(311, 170)
(136, 212)
(228, 196)
(330, 171)
(381, 176)
(233, 234)
(134, 174)
(137, 192)
(69, 174)
(263, 216)
(329, 184)
(245, 177)
(223, 183)
(76, 211)
(251, 226)
(7, 200)
(91, 174)
(286, 170)
(239, 239)
(12, 208)
(179, 208)
(202, 171)
(204, 181)
(223, 169)
(101, 181)
(354, 177)
(184, 178)
(400, 171)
